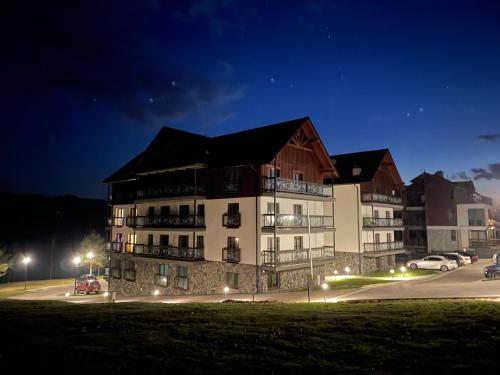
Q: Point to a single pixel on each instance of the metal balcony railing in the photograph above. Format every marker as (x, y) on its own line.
(296, 221)
(231, 255)
(169, 191)
(286, 257)
(384, 246)
(381, 198)
(168, 221)
(169, 252)
(116, 247)
(231, 220)
(373, 222)
(294, 186)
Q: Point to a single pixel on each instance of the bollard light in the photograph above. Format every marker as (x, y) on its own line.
(335, 274)
(392, 272)
(226, 289)
(67, 294)
(347, 270)
(325, 287)
(26, 260)
(403, 270)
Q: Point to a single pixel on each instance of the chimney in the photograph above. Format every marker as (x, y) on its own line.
(439, 173)
(356, 170)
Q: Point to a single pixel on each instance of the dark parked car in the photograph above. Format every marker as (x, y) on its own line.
(492, 272)
(454, 257)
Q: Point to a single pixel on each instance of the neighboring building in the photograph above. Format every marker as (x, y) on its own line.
(368, 210)
(194, 214)
(443, 215)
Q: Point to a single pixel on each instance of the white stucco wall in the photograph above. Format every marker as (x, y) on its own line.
(347, 218)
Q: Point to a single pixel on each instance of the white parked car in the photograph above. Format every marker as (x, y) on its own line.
(433, 262)
(465, 258)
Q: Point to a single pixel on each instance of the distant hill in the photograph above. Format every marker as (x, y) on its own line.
(34, 224)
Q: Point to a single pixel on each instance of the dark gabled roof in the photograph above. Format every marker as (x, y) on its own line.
(254, 146)
(368, 161)
(172, 148)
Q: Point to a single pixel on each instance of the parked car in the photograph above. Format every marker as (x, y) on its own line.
(492, 272)
(473, 257)
(87, 284)
(433, 262)
(465, 258)
(457, 258)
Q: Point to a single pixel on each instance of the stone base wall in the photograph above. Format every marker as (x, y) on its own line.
(440, 240)
(203, 277)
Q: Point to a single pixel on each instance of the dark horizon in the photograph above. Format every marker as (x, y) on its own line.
(89, 84)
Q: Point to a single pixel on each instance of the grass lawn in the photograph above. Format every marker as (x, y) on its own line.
(389, 337)
(14, 289)
(353, 283)
(409, 273)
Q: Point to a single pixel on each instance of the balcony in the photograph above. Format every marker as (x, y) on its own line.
(374, 222)
(381, 198)
(231, 255)
(170, 221)
(116, 221)
(177, 190)
(129, 247)
(116, 247)
(116, 272)
(296, 221)
(231, 186)
(297, 187)
(161, 280)
(169, 252)
(288, 257)
(129, 275)
(231, 220)
(384, 246)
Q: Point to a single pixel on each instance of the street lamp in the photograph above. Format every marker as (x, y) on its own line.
(325, 287)
(90, 256)
(403, 270)
(76, 262)
(26, 260)
(226, 289)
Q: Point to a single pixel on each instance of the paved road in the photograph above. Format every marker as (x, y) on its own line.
(466, 282)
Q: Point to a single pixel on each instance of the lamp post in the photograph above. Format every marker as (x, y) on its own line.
(90, 256)
(76, 262)
(325, 287)
(226, 289)
(26, 260)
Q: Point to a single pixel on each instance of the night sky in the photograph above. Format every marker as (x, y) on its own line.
(86, 85)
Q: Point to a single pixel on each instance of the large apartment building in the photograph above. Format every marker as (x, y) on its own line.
(444, 215)
(247, 210)
(368, 210)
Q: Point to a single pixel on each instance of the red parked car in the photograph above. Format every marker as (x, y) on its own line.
(87, 284)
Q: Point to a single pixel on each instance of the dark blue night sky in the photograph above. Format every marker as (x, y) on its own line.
(87, 84)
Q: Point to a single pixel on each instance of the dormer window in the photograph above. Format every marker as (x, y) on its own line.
(356, 170)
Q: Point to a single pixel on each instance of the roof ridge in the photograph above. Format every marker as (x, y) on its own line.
(263, 127)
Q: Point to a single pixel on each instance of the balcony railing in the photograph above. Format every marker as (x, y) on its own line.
(168, 221)
(384, 246)
(231, 254)
(170, 190)
(231, 220)
(118, 221)
(382, 222)
(296, 221)
(381, 198)
(231, 186)
(116, 272)
(129, 247)
(161, 280)
(296, 256)
(169, 252)
(116, 247)
(129, 275)
(294, 186)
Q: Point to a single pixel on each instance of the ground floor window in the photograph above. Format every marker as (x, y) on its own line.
(181, 280)
(453, 234)
(272, 280)
(161, 278)
(232, 280)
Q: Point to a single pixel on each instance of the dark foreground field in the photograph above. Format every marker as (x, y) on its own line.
(389, 337)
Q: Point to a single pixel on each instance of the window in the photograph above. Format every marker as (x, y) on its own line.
(163, 270)
(151, 211)
(375, 214)
(161, 278)
(272, 280)
(453, 234)
(184, 210)
(232, 279)
(476, 217)
(182, 277)
(118, 219)
(297, 209)
(388, 237)
(271, 172)
(200, 242)
(118, 237)
(270, 241)
(183, 242)
(164, 211)
(133, 212)
(387, 214)
(377, 237)
(233, 208)
(163, 240)
(270, 208)
(150, 240)
(298, 176)
(233, 242)
(200, 210)
(298, 242)
(131, 241)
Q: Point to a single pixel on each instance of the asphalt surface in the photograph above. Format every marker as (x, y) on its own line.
(465, 282)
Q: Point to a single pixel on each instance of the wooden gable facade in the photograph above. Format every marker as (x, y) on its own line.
(386, 179)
